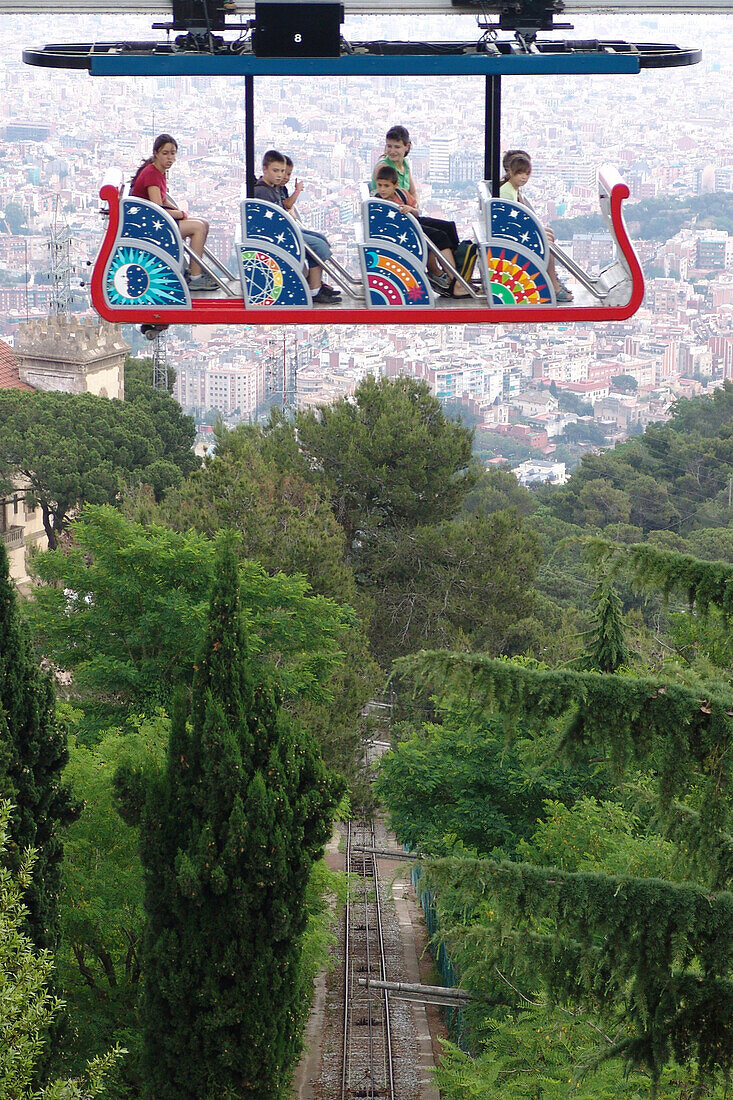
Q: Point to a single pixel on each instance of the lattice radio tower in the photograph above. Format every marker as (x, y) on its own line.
(281, 375)
(59, 248)
(290, 372)
(160, 362)
(275, 371)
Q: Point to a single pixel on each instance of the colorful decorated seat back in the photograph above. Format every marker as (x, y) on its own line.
(264, 223)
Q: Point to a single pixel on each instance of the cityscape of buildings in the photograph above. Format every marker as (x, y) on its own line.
(668, 131)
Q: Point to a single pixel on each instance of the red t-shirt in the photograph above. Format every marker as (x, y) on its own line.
(150, 176)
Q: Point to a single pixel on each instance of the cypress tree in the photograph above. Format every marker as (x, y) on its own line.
(606, 649)
(32, 755)
(229, 833)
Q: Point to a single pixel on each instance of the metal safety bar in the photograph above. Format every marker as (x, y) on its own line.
(222, 267)
(335, 271)
(208, 267)
(347, 275)
(586, 280)
(448, 266)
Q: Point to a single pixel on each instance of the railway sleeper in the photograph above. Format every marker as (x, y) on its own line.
(362, 867)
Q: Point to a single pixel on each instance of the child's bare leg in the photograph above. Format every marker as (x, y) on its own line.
(315, 277)
(195, 231)
(555, 279)
(434, 267)
(459, 290)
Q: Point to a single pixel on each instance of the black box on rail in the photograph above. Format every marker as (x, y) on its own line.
(198, 15)
(297, 28)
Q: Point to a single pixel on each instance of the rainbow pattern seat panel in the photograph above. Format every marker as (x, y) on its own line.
(514, 256)
(393, 278)
(393, 255)
(145, 265)
(271, 257)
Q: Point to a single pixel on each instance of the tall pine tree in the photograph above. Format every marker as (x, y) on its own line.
(229, 834)
(32, 755)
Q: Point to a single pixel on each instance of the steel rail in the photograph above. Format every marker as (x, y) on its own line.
(347, 965)
(367, 931)
(375, 7)
(389, 1062)
(375, 1057)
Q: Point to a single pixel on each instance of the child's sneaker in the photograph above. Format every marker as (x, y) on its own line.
(441, 283)
(322, 298)
(202, 282)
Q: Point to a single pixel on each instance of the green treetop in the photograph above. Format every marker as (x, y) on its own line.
(390, 454)
(257, 484)
(606, 649)
(69, 449)
(125, 608)
(674, 476)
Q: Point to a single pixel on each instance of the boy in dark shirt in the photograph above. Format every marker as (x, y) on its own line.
(270, 186)
(444, 235)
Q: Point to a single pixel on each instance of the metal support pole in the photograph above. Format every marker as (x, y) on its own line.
(492, 133)
(428, 994)
(390, 853)
(250, 174)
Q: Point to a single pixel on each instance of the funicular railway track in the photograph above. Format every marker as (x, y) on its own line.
(367, 1056)
(367, 1066)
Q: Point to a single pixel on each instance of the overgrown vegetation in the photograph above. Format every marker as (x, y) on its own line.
(561, 759)
(603, 921)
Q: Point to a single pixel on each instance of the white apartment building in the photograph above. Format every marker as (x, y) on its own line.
(234, 388)
(441, 151)
(538, 473)
(455, 381)
(21, 528)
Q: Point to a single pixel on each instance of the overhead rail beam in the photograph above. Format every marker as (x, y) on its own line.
(367, 59)
(374, 7)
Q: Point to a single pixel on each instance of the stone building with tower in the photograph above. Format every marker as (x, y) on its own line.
(73, 355)
(66, 355)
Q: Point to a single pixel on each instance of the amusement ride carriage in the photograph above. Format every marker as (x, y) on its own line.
(139, 274)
